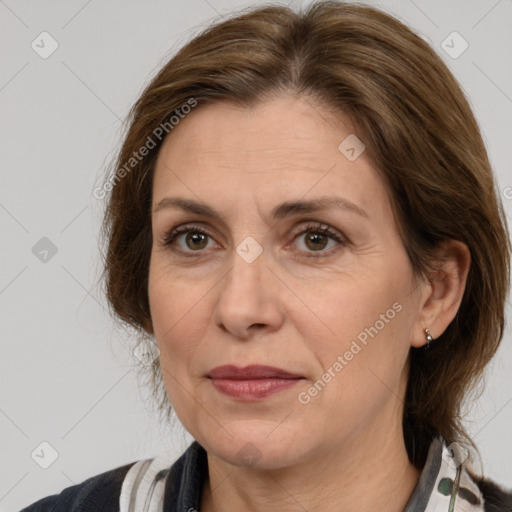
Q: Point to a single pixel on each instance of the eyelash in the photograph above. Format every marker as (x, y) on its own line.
(314, 227)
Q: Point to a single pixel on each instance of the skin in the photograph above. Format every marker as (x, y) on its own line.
(344, 449)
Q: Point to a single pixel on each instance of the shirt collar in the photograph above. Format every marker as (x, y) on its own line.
(445, 483)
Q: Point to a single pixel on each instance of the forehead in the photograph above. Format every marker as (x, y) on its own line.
(222, 126)
(288, 146)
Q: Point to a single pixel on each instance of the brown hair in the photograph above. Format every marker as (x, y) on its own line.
(419, 131)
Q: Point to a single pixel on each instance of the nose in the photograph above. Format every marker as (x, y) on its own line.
(248, 300)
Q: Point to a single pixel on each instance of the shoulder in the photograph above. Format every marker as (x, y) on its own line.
(496, 498)
(100, 492)
(153, 482)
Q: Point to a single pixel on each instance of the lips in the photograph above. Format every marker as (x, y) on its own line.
(251, 383)
(251, 372)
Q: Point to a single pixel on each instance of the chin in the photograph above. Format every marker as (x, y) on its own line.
(256, 444)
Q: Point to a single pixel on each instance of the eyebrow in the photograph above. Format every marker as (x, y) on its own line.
(281, 211)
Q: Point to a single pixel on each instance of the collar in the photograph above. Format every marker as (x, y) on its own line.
(445, 484)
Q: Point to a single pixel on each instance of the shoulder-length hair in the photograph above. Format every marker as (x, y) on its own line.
(419, 132)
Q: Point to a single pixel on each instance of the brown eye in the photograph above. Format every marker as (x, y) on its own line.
(196, 241)
(188, 239)
(316, 241)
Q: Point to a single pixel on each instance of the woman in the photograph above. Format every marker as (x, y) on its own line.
(304, 218)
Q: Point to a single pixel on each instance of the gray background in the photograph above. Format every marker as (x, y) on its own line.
(66, 375)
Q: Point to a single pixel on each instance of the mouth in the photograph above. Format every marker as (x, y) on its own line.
(253, 382)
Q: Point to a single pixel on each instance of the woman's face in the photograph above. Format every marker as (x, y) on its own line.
(253, 278)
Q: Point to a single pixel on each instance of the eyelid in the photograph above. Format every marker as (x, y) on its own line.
(312, 225)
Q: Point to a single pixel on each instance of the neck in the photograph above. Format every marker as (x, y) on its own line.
(369, 472)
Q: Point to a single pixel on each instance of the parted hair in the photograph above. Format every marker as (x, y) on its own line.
(419, 132)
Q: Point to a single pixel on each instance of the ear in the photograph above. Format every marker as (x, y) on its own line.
(443, 290)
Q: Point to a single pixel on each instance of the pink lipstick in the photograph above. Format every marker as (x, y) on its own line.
(253, 382)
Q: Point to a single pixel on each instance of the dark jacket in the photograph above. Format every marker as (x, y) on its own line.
(183, 487)
(99, 493)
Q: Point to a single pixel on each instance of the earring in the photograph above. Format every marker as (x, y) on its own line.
(429, 339)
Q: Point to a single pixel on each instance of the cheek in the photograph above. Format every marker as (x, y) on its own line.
(363, 321)
(181, 311)
(172, 298)
(174, 308)
(361, 358)
(344, 309)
